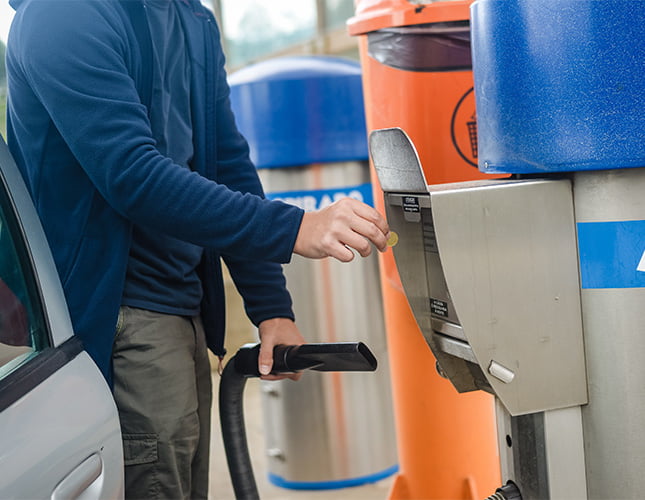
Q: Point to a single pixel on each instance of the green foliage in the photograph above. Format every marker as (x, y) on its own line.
(3, 69)
(3, 116)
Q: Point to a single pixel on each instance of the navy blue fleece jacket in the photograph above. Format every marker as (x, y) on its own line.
(78, 127)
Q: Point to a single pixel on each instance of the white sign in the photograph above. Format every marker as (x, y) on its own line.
(641, 264)
(316, 199)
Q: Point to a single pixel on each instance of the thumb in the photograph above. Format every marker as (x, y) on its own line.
(265, 358)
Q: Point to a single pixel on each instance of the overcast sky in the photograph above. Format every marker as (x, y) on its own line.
(6, 15)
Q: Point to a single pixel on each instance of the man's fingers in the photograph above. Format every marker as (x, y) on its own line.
(367, 222)
(283, 376)
(276, 331)
(346, 224)
(372, 215)
(371, 231)
(358, 243)
(342, 253)
(265, 358)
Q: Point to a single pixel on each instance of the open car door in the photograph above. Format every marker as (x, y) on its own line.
(59, 428)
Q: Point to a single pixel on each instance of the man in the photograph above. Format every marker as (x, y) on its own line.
(120, 122)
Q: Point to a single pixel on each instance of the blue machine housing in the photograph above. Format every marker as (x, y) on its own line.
(559, 84)
(301, 110)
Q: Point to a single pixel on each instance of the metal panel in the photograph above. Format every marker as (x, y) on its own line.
(565, 453)
(410, 250)
(614, 342)
(396, 161)
(410, 255)
(543, 453)
(508, 252)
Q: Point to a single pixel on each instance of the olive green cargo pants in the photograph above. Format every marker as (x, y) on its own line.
(163, 390)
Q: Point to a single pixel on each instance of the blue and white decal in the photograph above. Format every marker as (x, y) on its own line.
(612, 254)
(316, 199)
(641, 264)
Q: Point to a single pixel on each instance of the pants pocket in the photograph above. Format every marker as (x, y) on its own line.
(139, 449)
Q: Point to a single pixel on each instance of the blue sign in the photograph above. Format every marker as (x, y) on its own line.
(612, 254)
(312, 200)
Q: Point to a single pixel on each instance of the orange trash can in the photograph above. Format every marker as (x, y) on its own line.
(417, 76)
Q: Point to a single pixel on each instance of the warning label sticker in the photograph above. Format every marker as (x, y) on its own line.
(439, 307)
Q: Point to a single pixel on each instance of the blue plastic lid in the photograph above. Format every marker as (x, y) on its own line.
(559, 84)
(301, 110)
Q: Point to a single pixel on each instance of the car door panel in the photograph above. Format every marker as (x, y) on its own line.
(59, 427)
(51, 431)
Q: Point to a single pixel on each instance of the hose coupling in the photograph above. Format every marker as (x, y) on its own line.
(509, 491)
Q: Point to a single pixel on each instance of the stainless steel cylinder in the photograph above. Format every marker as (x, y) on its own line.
(331, 429)
(610, 217)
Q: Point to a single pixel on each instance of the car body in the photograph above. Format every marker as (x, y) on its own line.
(59, 429)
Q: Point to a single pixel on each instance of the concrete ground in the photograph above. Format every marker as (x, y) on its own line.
(239, 332)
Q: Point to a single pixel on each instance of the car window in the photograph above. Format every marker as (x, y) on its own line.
(23, 331)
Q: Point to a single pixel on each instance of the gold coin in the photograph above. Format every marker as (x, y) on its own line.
(392, 239)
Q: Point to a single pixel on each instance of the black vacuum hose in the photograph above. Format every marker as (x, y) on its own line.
(509, 491)
(343, 356)
(231, 414)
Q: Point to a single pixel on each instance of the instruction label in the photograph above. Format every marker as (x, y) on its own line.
(439, 307)
(411, 204)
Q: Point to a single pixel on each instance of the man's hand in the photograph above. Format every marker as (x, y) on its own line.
(334, 230)
(274, 332)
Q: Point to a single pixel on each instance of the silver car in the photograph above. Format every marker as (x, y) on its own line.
(59, 428)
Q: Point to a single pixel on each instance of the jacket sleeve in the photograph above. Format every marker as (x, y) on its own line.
(76, 58)
(261, 284)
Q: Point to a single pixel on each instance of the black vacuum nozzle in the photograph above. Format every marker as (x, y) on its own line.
(326, 357)
(344, 356)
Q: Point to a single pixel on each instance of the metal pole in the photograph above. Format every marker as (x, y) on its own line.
(610, 208)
